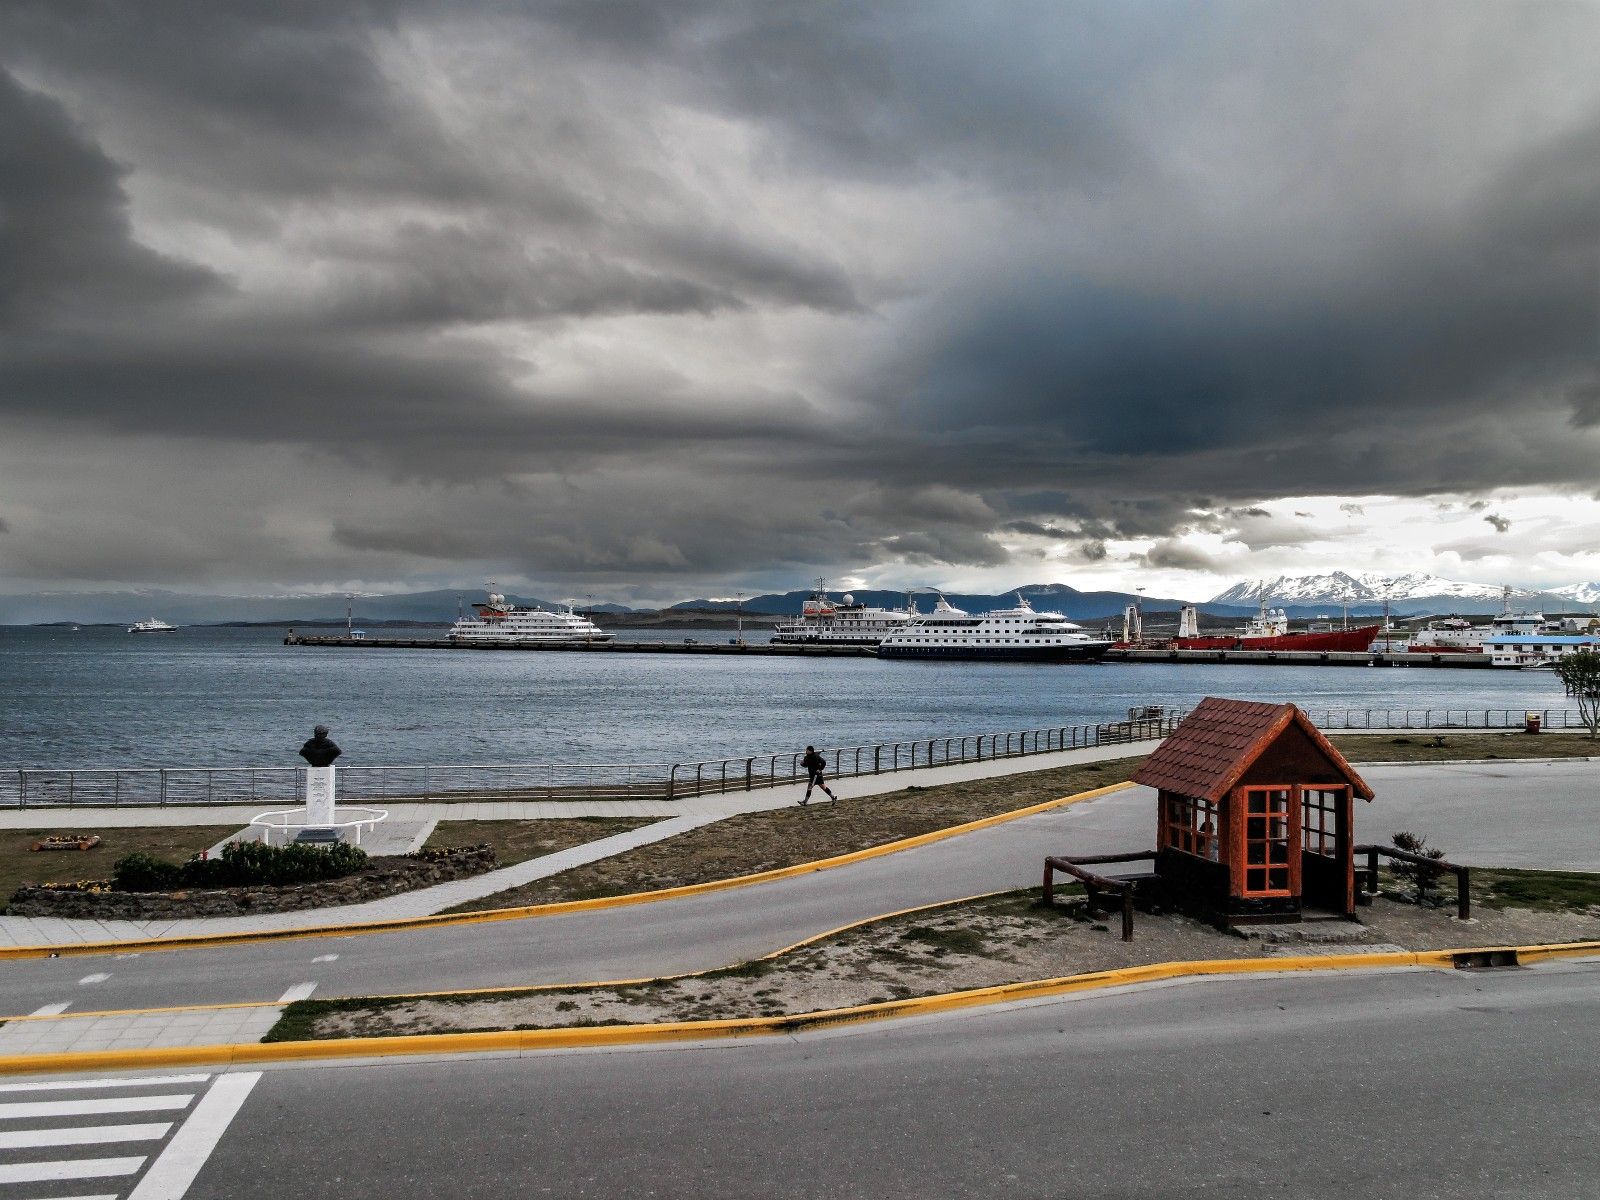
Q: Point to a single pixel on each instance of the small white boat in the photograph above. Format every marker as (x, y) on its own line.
(153, 625)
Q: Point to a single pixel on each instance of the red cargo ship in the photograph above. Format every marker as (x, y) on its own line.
(1269, 630)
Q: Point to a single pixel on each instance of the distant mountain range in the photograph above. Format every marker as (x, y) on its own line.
(1052, 597)
(1301, 595)
(1412, 594)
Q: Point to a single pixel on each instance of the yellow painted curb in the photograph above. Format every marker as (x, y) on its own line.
(591, 1036)
(202, 941)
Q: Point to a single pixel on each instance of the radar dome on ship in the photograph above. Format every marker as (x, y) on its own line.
(849, 598)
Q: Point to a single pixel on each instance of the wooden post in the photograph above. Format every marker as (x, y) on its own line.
(1047, 893)
(1463, 894)
(1127, 913)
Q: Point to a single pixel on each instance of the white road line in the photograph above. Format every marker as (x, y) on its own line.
(73, 1085)
(88, 1108)
(69, 1168)
(102, 1196)
(326, 958)
(97, 977)
(299, 991)
(51, 1010)
(83, 1135)
(171, 1174)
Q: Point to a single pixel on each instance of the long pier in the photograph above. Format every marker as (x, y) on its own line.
(687, 646)
(1302, 658)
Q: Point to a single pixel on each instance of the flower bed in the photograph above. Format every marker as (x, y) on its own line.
(379, 877)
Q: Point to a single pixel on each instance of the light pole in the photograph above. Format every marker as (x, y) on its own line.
(738, 608)
(349, 619)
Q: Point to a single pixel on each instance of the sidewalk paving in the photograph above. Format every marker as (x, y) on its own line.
(679, 816)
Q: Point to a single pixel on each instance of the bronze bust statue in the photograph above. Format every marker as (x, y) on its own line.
(320, 750)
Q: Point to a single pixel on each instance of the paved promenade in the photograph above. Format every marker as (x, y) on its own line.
(677, 816)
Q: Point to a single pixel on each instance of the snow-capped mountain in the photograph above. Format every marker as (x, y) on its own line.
(1341, 587)
(1579, 593)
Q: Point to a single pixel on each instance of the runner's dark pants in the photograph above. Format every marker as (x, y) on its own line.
(814, 780)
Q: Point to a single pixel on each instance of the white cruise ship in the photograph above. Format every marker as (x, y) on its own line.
(1011, 634)
(823, 622)
(498, 621)
(153, 625)
(1455, 635)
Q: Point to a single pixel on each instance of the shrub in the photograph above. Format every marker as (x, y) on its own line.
(1423, 878)
(241, 864)
(142, 873)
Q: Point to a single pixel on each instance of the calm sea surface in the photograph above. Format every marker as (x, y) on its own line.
(102, 697)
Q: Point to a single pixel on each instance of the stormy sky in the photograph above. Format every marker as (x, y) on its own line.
(649, 299)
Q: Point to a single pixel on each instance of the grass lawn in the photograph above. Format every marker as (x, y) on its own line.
(1421, 745)
(1542, 891)
(764, 841)
(518, 841)
(19, 865)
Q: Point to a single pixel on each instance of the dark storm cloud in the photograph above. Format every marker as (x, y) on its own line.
(65, 252)
(1179, 557)
(1036, 529)
(617, 287)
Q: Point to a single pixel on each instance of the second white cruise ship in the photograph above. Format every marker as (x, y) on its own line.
(824, 622)
(1013, 634)
(498, 621)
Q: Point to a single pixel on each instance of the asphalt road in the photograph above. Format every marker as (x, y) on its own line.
(1410, 1085)
(1513, 814)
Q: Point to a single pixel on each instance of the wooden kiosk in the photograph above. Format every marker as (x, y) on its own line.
(1254, 816)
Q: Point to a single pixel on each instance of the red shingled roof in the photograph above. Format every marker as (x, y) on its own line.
(1216, 743)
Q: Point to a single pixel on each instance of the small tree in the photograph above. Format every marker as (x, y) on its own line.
(1421, 878)
(1580, 674)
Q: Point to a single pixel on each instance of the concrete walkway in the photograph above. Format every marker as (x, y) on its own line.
(679, 816)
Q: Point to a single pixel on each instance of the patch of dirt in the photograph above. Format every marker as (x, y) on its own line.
(765, 841)
(982, 943)
(518, 841)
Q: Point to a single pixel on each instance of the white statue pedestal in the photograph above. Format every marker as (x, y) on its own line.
(319, 796)
(321, 812)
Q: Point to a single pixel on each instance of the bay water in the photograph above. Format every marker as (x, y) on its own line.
(227, 696)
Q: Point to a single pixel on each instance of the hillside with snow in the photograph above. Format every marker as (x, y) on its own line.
(1579, 593)
(1417, 592)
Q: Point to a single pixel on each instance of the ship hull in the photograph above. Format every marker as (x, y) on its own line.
(1091, 653)
(1338, 639)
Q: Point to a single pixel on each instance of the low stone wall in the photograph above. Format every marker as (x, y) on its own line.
(384, 877)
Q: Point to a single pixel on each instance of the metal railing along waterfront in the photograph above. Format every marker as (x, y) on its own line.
(161, 786)
(1335, 719)
(882, 758)
(156, 786)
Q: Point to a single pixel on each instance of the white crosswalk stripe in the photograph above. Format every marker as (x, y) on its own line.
(82, 1135)
(89, 1108)
(71, 1168)
(166, 1172)
(89, 1085)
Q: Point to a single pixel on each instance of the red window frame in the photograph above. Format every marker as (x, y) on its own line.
(1268, 841)
(1183, 822)
(1320, 805)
